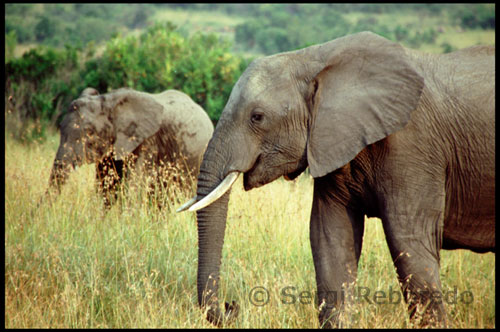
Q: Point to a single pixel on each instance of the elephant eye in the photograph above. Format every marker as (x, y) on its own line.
(257, 117)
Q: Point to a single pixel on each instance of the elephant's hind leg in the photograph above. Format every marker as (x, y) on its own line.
(414, 234)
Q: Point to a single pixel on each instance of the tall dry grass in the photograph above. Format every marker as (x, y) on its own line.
(71, 264)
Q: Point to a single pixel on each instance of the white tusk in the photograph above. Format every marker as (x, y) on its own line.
(215, 194)
(186, 205)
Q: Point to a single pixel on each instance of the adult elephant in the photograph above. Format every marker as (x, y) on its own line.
(386, 132)
(127, 129)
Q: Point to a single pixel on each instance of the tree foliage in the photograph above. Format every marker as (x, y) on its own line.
(80, 23)
(201, 66)
(267, 28)
(274, 28)
(86, 44)
(159, 59)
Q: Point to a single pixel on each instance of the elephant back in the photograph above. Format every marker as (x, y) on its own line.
(188, 122)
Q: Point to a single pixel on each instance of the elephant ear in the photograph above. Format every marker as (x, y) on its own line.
(136, 117)
(89, 92)
(365, 92)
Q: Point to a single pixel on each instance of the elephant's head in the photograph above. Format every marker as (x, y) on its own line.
(317, 107)
(98, 125)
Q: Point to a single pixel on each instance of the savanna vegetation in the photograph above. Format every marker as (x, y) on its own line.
(70, 263)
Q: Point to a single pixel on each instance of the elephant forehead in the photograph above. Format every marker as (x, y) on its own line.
(84, 120)
(254, 88)
(269, 76)
(266, 83)
(250, 85)
(95, 121)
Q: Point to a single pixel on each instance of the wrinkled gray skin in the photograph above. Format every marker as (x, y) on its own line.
(386, 132)
(137, 129)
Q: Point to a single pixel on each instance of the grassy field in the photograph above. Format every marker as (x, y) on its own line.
(449, 33)
(71, 264)
(224, 25)
(192, 21)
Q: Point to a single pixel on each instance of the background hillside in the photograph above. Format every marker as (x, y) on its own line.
(263, 28)
(54, 51)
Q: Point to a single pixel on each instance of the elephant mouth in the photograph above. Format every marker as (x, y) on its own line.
(254, 177)
(259, 175)
(249, 177)
(301, 167)
(292, 176)
(249, 183)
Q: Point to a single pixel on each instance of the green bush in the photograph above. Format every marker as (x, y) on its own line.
(479, 16)
(10, 45)
(161, 58)
(45, 29)
(35, 65)
(275, 28)
(57, 24)
(41, 83)
(38, 84)
(447, 48)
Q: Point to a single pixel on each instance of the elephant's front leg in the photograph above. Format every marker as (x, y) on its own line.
(109, 173)
(336, 234)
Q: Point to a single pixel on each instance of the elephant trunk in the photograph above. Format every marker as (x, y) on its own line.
(59, 174)
(211, 222)
(61, 169)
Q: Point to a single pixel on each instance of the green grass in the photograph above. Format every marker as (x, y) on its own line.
(70, 264)
(197, 18)
(205, 21)
(448, 33)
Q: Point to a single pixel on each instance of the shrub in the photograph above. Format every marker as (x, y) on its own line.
(475, 16)
(161, 58)
(447, 48)
(41, 83)
(38, 83)
(45, 29)
(10, 44)
(35, 65)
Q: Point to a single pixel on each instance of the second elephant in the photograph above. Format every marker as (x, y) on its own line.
(127, 129)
